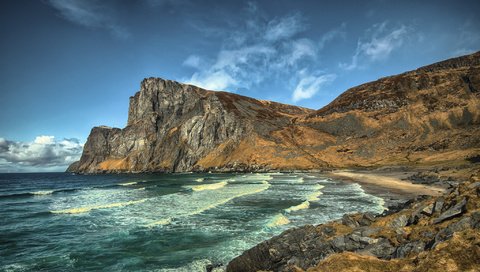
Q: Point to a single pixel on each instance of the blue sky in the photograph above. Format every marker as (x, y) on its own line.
(69, 65)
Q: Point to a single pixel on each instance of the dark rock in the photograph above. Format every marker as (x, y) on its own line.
(339, 243)
(399, 222)
(414, 218)
(428, 210)
(327, 231)
(454, 211)
(382, 249)
(414, 247)
(352, 242)
(349, 221)
(439, 204)
(475, 222)
(366, 231)
(447, 233)
(367, 219)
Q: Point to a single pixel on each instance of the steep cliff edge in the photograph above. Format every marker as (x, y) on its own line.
(174, 127)
(428, 115)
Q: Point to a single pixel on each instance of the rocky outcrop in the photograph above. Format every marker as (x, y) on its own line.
(417, 233)
(428, 115)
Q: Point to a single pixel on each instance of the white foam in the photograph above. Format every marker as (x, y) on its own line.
(201, 201)
(315, 196)
(301, 206)
(278, 220)
(96, 207)
(42, 193)
(213, 186)
(129, 183)
(199, 179)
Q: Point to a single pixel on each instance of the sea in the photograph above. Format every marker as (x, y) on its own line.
(159, 222)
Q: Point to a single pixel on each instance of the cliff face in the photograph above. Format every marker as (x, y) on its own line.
(423, 116)
(175, 127)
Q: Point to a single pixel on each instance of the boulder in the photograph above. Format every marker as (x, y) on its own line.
(349, 221)
(413, 247)
(439, 204)
(452, 212)
(400, 221)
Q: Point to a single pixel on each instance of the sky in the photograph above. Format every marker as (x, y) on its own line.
(69, 65)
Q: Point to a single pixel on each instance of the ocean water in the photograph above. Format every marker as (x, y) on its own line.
(158, 222)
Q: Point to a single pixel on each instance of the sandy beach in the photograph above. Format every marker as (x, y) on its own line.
(390, 181)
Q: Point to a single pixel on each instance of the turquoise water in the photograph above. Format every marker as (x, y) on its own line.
(158, 222)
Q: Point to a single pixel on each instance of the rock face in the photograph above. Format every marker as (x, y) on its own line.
(427, 115)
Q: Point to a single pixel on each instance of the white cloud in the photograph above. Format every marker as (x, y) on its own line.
(380, 44)
(218, 80)
(300, 49)
(44, 153)
(44, 140)
(192, 61)
(309, 85)
(252, 51)
(283, 28)
(90, 13)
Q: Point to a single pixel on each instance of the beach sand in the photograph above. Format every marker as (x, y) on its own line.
(391, 181)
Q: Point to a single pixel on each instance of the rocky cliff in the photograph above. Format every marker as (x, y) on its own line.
(428, 115)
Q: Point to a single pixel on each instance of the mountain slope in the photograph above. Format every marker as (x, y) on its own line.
(428, 115)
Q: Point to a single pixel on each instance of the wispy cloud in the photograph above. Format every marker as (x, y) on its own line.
(45, 153)
(284, 28)
(261, 49)
(251, 53)
(338, 32)
(310, 84)
(193, 61)
(381, 41)
(90, 13)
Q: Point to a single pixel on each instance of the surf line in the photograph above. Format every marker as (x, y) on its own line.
(97, 207)
(314, 196)
(165, 221)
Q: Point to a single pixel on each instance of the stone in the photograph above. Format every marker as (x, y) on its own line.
(475, 222)
(413, 247)
(454, 211)
(399, 222)
(349, 221)
(382, 249)
(428, 210)
(339, 243)
(367, 219)
(439, 204)
(447, 233)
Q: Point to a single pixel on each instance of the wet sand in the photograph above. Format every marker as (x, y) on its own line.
(391, 181)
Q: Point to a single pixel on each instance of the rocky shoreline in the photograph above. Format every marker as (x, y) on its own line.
(424, 233)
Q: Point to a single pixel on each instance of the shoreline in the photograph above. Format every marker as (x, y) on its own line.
(393, 181)
(423, 231)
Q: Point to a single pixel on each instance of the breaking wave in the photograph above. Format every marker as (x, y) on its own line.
(201, 201)
(213, 186)
(278, 220)
(97, 207)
